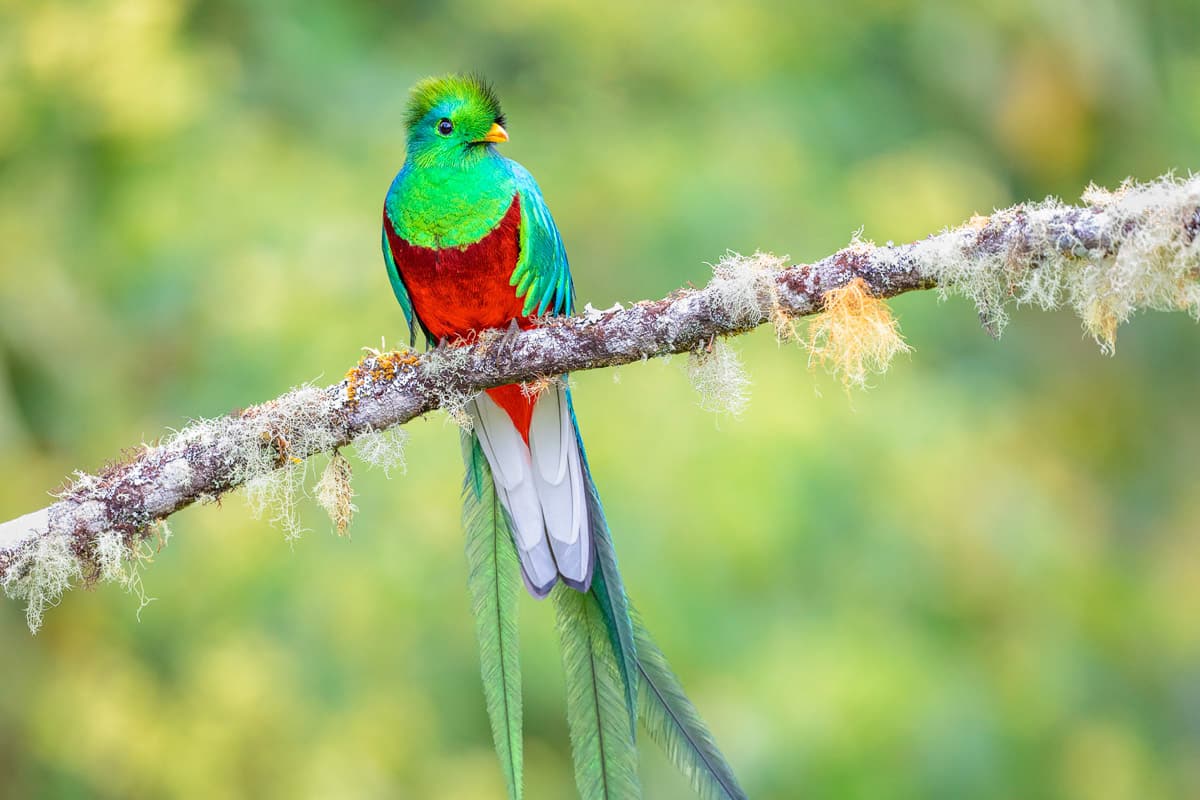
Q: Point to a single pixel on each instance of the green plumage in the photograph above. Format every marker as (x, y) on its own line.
(613, 606)
(675, 725)
(601, 731)
(452, 193)
(454, 189)
(494, 582)
(609, 591)
(447, 206)
(542, 275)
(430, 93)
(400, 291)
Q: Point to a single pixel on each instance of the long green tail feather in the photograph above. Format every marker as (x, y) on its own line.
(611, 602)
(493, 578)
(601, 740)
(609, 589)
(674, 724)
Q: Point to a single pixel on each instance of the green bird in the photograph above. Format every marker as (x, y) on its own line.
(470, 245)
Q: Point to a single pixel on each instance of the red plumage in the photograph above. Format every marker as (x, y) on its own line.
(458, 291)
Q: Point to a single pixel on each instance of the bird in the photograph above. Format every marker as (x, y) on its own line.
(471, 247)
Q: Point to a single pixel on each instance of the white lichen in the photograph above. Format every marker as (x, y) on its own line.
(118, 563)
(1136, 248)
(161, 530)
(51, 564)
(383, 449)
(1144, 255)
(276, 495)
(111, 557)
(144, 554)
(591, 313)
(443, 368)
(744, 286)
(266, 447)
(41, 574)
(717, 374)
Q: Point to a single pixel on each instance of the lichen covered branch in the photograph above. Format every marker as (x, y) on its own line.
(1119, 252)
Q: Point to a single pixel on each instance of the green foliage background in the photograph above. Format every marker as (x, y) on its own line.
(980, 579)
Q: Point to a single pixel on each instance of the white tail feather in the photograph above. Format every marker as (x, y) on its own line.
(508, 456)
(542, 488)
(501, 442)
(547, 436)
(559, 478)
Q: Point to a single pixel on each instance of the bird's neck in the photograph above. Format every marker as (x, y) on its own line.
(450, 206)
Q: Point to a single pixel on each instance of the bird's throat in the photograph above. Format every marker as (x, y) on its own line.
(451, 206)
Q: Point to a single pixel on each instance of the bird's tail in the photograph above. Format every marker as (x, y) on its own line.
(615, 673)
(537, 464)
(652, 692)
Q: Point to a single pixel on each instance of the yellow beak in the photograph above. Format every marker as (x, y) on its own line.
(496, 134)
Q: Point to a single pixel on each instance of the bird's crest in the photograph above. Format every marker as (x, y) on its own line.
(432, 92)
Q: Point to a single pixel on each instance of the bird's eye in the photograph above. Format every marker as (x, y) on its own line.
(445, 127)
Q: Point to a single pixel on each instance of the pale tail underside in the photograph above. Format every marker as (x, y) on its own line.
(542, 488)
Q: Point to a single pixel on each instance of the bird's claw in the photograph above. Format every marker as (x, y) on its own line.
(509, 336)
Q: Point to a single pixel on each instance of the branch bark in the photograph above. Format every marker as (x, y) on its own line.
(1046, 253)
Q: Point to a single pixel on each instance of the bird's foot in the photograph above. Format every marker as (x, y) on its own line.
(509, 336)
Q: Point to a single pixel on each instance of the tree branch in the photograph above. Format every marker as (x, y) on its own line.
(1119, 252)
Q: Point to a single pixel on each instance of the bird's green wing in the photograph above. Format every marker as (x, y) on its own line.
(542, 275)
(398, 287)
(493, 579)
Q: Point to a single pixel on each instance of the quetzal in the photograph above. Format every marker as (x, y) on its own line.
(470, 245)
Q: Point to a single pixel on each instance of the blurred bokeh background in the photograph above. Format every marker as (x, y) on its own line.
(979, 579)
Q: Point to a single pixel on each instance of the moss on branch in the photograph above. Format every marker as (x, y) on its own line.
(1118, 253)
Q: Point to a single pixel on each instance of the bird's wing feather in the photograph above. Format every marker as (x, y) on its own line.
(542, 276)
(398, 287)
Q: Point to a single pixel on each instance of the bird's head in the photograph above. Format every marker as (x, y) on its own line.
(453, 120)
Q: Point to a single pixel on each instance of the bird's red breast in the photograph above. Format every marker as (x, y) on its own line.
(458, 291)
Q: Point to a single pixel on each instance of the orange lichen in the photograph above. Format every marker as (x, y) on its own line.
(278, 443)
(376, 367)
(534, 388)
(978, 222)
(854, 335)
